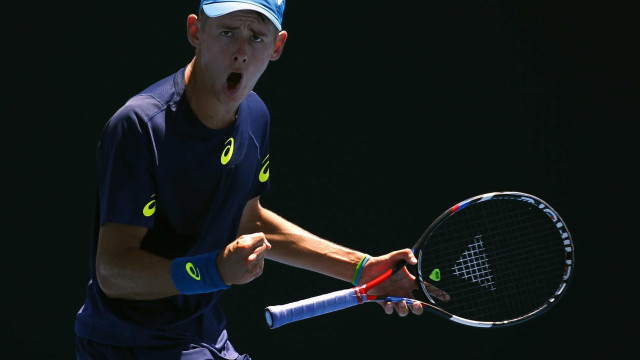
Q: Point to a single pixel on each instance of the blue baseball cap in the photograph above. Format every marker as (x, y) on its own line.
(272, 9)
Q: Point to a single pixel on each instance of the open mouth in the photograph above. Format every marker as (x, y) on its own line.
(233, 80)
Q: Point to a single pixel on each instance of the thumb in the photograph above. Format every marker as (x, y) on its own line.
(407, 255)
(258, 240)
(259, 247)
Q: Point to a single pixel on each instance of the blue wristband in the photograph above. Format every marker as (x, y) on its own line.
(197, 274)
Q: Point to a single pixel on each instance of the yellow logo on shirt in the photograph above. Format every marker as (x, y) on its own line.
(227, 152)
(264, 172)
(150, 208)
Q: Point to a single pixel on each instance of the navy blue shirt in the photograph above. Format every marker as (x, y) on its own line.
(160, 167)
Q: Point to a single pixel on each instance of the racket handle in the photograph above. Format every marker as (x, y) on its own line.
(279, 315)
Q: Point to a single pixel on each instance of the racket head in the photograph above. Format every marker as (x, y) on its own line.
(502, 257)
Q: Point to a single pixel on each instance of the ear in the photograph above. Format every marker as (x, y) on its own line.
(280, 40)
(193, 30)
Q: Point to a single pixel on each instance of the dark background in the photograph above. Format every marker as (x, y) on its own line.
(382, 117)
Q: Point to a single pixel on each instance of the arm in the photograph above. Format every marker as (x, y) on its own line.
(126, 271)
(295, 246)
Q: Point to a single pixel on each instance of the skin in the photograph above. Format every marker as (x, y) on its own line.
(239, 42)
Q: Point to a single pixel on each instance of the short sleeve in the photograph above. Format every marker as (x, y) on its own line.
(126, 163)
(262, 180)
(260, 132)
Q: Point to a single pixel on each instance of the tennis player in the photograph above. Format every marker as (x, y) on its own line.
(181, 167)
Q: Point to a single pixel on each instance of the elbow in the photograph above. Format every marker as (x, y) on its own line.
(104, 275)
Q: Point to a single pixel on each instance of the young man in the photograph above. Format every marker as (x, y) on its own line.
(181, 167)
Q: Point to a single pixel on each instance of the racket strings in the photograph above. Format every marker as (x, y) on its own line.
(502, 251)
(474, 266)
(511, 247)
(521, 294)
(501, 231)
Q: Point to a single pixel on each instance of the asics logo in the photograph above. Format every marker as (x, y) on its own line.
(264, 172)
(227, 152)
(193, 271)
(150, 208)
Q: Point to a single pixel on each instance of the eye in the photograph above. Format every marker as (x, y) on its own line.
(226, 33)
(257, 38)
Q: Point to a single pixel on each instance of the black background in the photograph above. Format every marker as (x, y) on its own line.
(382, 117)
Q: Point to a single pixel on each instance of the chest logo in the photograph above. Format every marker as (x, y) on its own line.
(264, 172)
(150, 208)
(227, 152)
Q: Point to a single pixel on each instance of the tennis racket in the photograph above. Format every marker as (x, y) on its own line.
(498, 259)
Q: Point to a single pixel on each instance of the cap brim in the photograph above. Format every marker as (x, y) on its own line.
(219, 9)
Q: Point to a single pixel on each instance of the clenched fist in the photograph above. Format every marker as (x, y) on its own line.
(243, 259)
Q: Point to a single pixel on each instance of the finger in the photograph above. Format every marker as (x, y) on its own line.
(255, 239)
(261, 243)
(388, 307)
(411, 258)
(259, 248)
(258, 255)
(404, 254)
(257, 269)
(402, 308)
(408, 276)
(440, 294)
(416, 308)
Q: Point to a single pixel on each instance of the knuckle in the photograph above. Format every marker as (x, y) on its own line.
(258, 267)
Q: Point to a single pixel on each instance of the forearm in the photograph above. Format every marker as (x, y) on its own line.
(295, 246)
(136, 275)
(126, 271)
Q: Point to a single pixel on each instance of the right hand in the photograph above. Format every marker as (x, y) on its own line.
(243, 259)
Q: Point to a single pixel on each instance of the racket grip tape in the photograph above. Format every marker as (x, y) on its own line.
(279, 315)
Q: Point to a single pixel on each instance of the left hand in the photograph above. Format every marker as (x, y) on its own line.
(402, 283)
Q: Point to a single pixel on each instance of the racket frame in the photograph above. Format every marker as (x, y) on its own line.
(430, 303)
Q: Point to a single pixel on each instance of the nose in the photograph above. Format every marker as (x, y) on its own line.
(240, 55)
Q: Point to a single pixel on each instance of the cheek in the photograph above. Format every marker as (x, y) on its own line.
(258, 62)
(257, 71)
(211, 52)
(213, 59)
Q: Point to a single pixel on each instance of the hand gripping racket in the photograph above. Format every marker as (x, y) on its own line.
(501, 258)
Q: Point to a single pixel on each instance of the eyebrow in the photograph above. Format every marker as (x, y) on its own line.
(234, 27)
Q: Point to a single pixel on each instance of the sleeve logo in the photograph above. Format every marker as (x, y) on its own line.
(227, 152)
(150, 208)
(264, 172)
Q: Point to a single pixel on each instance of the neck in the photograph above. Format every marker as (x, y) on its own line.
(207, 108)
